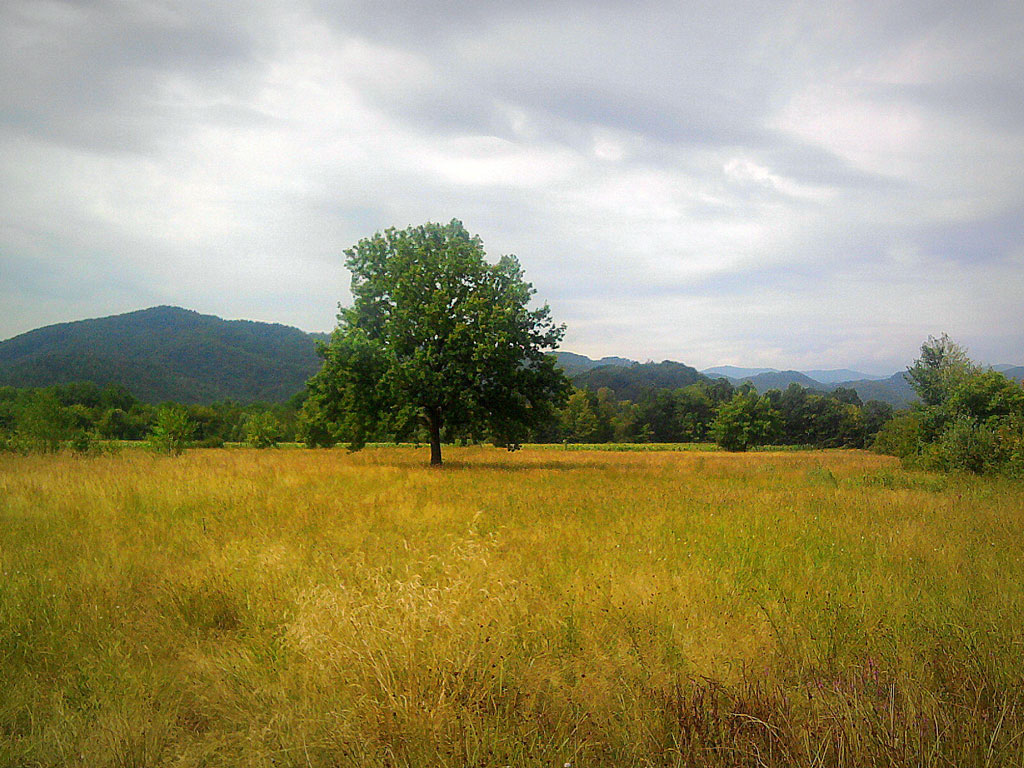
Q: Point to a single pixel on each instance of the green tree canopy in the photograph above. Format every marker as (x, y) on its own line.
(173, 430)
(262, 430)
(580, 421)
(969, 419)
(941, 368)
(744, 421)
(435, 335)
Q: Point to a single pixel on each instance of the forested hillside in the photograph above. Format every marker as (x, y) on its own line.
(1016, 373)
(169, 353)
(634, 381)
(165, 353)
(574, 364)
(639, 380)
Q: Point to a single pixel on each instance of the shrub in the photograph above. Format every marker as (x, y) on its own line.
(900, 436)
(173, 430)
(262, 430)
(966, 446)
(746, 420)
(968, 420)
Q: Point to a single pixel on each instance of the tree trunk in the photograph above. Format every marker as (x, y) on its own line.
(434, 425)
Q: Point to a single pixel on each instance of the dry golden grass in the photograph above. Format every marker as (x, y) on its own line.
(293, 607)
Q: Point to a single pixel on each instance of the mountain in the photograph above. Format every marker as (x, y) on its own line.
(895, 390)
(166, 353)
(838, 375)
(1015, 372)
(169, 353)
(573, 364)
(637, 380)
(735, 373)
(782, 379)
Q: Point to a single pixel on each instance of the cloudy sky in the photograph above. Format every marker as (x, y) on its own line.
(758, 183)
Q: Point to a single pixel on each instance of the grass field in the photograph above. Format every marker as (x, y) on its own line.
(542, 608)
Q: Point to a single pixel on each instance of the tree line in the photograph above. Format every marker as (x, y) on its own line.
(735, 417)
(968, 419)
(83, 416)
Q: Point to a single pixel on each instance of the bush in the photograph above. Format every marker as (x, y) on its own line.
(745, 421)
(173, 430)
(900, 436)
(964, 446)
(82, 441)
(262, 430)
(968, 420)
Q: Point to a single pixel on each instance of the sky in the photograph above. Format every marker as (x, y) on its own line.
(788, 185)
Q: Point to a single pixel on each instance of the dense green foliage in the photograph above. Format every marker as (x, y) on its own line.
(638, 381)
(165, 353)
(173, 431)
(79, 415)
(968, 419)
(688, 414)
(262, 430)
(437, 336)
(745, 421)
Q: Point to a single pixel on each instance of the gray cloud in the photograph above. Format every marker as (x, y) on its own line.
(739, 183)
(100, 75)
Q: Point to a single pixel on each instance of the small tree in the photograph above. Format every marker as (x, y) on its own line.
(744, 421)
(262, 430)
(941, 368)
(579, 421)
(968, 419)
(44, 423)
(438, 335)
(173, 430)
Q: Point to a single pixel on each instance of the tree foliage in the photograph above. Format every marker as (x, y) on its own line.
(435, 335)
(746, 420)
(173, 431)
(262, 430)
(968, 419)
(942, 367)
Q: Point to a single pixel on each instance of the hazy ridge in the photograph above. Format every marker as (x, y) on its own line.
(169, 353)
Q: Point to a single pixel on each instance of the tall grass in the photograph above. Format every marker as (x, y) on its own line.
(539, 608)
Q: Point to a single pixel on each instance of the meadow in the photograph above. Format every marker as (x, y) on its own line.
(541, 608)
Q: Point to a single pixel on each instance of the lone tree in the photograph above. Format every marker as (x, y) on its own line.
(438, 336)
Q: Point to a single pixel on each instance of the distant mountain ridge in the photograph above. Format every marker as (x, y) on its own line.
(170, 353)
(592, 374)
(1015, 372)
(572, 363)
(736, 374)
(166, 353)
(782, 379)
